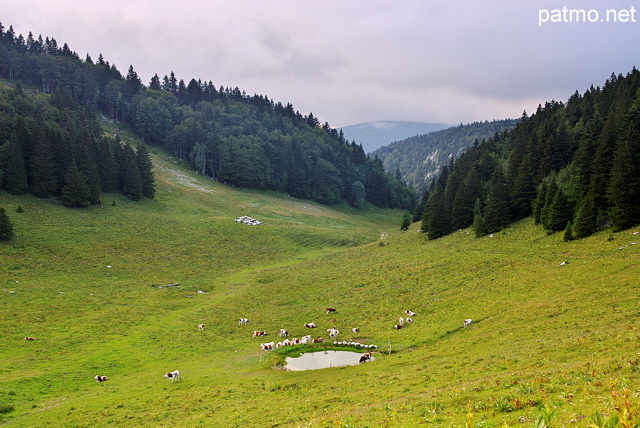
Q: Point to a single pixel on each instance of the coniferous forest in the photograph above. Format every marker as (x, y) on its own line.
(574, 167)
(52, 145)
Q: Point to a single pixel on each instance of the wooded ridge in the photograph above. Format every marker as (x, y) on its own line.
(573, 166)
(248, 141)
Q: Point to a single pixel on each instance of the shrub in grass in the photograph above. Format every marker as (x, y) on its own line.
(6, 408)
(6, 228)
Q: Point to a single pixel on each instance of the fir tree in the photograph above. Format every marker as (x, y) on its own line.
(560, 212)
(586, 221)
(43, 177)
(143, 159)
(131, 182)
(497, 213)
(6, 228)
(479, 227)
(76, 191)
(12, 162)
(568, 232)
(624, 185)
(406, 221)
(436, 216)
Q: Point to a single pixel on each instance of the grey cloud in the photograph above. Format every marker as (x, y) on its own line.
(352, 61)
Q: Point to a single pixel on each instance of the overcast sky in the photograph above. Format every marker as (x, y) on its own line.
(352, 61)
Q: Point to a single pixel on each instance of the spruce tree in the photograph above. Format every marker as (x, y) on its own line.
(76, 191)
(586, 221)
(538, 203)
(6, 228)
(406, 221)
(560, 212)
(131, 183)
(568, 232)
(12, 162)
(436, 216)
(497, 213)
(143, 159)
(624, 185)
(43, 177)
(552, 188)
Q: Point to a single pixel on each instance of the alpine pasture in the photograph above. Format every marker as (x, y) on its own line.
(118, 290)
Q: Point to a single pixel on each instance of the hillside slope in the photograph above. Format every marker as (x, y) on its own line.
(85, 284)
(421, 157)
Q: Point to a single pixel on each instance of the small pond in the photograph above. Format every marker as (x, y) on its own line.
(323, 360)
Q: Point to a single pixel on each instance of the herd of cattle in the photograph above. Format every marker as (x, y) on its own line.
(307, 339)
(333, 333)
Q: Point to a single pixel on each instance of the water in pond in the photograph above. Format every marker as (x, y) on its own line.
(323, 360)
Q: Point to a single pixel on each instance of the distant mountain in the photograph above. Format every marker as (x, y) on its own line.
(420, 158)
(373, 135)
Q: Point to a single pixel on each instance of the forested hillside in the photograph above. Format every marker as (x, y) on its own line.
(53, 147)
(248, 141)
(573, 166)
(420, 158)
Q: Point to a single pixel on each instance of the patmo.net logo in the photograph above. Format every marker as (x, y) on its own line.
(566, 15)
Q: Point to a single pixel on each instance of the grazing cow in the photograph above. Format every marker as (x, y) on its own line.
(331, 310)
(333, 332)
(283, 333)
(29, 338)
(410, 313)
(364, 357)
(243, 321)
(267, 346)
(409, 320)
(467, 323)
(355, 330)
(259, 333)
(401, 321)
(310, 325)
(318, 340)
(174, 375)
(398, 326)
(201, 327)
(101, 378)
(305, 340)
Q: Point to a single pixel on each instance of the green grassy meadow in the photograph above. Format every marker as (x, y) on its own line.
(87, 285)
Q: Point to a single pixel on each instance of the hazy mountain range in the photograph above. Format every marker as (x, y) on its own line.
(373, 135)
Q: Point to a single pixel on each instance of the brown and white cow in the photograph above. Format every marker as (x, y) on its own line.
(100, 378)
(331, 310)
(398, 326)
(310, 325)
(174, 375)
(201, 327)
(283, 333)
(259, 333)
(364, 357)
(29, 338)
